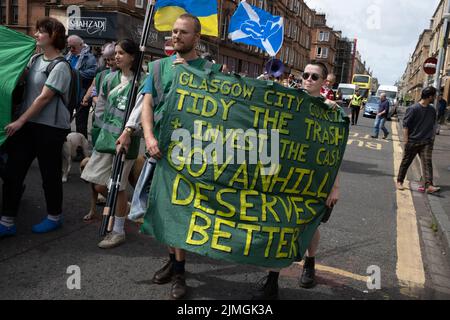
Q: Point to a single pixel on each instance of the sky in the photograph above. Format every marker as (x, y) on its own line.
(387, 30)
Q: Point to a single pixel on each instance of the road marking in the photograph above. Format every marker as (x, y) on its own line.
(410, 272)
(338, 272)
(366, 137)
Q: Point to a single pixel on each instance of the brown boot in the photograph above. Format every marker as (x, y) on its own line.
(165, 274)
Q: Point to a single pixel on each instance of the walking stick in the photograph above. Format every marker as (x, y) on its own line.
(119, 159)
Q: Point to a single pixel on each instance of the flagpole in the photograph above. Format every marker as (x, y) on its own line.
(120, 157)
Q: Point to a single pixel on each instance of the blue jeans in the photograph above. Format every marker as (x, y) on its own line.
(379, 122)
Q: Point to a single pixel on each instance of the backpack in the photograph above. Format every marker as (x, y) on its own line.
(75, 96)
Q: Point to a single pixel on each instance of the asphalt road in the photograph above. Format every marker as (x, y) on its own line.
(362, 233)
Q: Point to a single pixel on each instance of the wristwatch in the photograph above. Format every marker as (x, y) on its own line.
(129, 130)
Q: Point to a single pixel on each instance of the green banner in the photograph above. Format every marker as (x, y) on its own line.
(16, 50)
(247, 167)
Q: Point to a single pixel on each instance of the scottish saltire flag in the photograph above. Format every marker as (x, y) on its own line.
(167, 11)
(254, 26)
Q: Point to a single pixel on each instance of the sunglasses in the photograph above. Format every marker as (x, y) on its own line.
(313, 76)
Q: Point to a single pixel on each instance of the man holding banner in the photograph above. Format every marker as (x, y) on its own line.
(314, 77)
(258, 209)
(185, 36)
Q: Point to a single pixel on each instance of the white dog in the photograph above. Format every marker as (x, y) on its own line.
(74, 141)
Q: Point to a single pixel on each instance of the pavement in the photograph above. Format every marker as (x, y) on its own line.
(439, 204)
(366, 231)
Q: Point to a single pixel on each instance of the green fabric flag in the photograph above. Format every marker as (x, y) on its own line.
(247, 168)
(16, 50)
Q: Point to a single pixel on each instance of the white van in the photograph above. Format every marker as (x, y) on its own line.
(390, 91)
(391, 94)
(345, 92)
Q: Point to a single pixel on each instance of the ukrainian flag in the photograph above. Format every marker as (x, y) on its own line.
(167, 11)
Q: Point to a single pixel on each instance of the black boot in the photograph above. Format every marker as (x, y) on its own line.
(269, 289)
(179, 287)
(308, 278)
(165, 274)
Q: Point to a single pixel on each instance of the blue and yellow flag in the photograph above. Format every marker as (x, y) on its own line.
(169, 10)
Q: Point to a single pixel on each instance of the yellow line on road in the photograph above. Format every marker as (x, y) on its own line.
(410, 272)
(340, 272)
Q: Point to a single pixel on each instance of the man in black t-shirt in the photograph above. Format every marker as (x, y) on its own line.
(419, 132)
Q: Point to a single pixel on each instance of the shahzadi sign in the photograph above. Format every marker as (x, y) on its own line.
(247, 168)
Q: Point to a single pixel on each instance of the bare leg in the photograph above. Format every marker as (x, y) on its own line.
(93, 210)
(180, 254)
(122, 204)
(314, 245)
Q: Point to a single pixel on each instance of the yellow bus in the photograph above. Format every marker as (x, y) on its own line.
(364, 83)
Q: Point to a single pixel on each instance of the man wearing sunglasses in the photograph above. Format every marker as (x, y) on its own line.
(313, 79)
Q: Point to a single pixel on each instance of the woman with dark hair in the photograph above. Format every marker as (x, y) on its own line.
(40, 130)
(115, 92)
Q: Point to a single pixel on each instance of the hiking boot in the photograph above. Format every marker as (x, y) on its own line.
(179, 287)
(165, 274)
(268, 289)
(112, 240)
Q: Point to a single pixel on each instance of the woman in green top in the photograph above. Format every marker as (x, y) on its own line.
(115, 91)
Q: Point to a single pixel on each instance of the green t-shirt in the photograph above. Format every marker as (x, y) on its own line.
(166, 73)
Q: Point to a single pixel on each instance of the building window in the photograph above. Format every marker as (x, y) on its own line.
(139, 3)
(297, 7)
(322, 53)
(124, 1)
(324, 36)
(224, 30)
(294, 32)
(3, 12)
(15, 12)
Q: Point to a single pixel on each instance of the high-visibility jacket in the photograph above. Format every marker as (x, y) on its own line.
(357, 100)
(97, 119)
(114, 114)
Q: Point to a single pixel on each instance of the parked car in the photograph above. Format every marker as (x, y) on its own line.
(372, 105)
